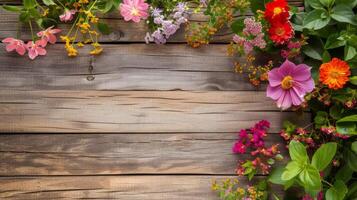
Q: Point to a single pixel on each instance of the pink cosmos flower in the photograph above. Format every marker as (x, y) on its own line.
(67, 15)
(134, 10)
(289, 83)
(48, 35)
(13, 44)
(36, 48)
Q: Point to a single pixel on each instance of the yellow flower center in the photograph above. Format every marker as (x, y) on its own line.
(287, 82)
(277, 11)
(135, 12)
(335, 74)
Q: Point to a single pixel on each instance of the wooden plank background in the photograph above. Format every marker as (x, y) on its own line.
(138, 122)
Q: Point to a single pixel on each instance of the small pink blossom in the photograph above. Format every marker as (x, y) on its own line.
(48, 35)
(36, 48)
(134, 10)
(67, 15)
(13, 44)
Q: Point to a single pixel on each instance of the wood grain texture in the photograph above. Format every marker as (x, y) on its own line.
(137, 111)
(125, 67)
(114, 154)
(112, 187)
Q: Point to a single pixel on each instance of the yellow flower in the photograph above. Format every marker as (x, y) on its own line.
(94, 20)
(71, 51)
(80, 44)
(83, 1)
(96, 51)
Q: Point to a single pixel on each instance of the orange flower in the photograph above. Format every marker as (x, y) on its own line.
(335, 73)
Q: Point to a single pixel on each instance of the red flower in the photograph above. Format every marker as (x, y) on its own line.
(276, 11)
(280, 33)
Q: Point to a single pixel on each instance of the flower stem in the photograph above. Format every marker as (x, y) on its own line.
(32, 35)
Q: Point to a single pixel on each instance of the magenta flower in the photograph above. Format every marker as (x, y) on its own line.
(48, 35)
(67, 15)
(13, 44)
(134, 10)
(289, 83)
(36, 48)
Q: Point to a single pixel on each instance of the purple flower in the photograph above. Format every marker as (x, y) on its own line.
(289, 83)
(169, 28)
(181, 7)
(156, 12)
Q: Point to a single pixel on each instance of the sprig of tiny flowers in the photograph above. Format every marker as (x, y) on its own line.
(230, 189)
(83, 24)
(253, 140)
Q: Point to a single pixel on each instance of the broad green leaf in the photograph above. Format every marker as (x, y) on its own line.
(354, 146)
(337, 192)
(324, 155)
(327, 3)
(257, 5)
(352, 160)
(310, 177)
(344, 173)
(347, 125)
(316, 19)
(12, 8)
(311, 52)
(292, 169)
(350, 52)
(353, 80)
(29, 3)
(333, 41)
(352, 191)
(343, 13)
(315, 4)
(298, 152)
(351, 3)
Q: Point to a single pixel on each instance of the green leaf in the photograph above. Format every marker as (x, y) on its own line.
(354, 146)
(298, 152)
(344, 174)
(327, 3)
(347, 125)
(104, 28)
(353, 80)
(257, 5)
(351, 3)
(237, 26)
(337, 192)
(321, 118)
(310, 177)
(351, 160)
(324, 155)
(336, 111)
(326, 57)
(12, 8)
(311, 52)
(29, 3)
(316, 19)
(343, 13)
(352, 191)
(333, 41)
(48, 2)
(315, 4)
(350, 52)
(292, 169)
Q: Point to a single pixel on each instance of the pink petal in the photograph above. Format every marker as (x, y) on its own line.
(41, 42)
(21, 50)
(52, 39)
(301, 72)
(286, 68)
(284, 102)
(40, 34)
(275, 77)
(296, 99)
(55, 31)
(274, 92)
(32, 54)
(10, 47)
(136, 19)
(41, 51)
(306, 86)
(8, 40)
